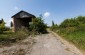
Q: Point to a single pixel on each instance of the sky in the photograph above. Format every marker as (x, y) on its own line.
(56, 10)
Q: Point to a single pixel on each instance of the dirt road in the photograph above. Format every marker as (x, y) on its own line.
(48, 44)
(20, 48)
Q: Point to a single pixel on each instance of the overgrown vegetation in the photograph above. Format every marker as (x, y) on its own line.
(7, 36)
(2, 26)
(54, 26)
(73, 30)
(38, 25)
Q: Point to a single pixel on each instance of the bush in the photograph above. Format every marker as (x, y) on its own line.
(10, 37)
(21, 34)
(73, 30)
(7, 29)
(54, 27)
(2, 27)
(69, 23)
(38, 25)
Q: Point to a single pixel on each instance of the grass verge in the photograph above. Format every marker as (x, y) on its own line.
(77, 38)
(8, 38)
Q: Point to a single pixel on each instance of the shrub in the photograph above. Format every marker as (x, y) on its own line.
(21, 34)
(7, 29)
(69, 23)
(38, 25)
(54, 27)
(2, 27)
(73, 30)
(11, 37)
(11, 24)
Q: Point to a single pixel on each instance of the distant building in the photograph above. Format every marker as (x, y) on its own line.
(21, 19)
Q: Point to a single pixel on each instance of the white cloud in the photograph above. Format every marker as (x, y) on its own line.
(16, 8)
(46, 14)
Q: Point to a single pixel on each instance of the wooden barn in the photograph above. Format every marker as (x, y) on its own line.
(22, 19)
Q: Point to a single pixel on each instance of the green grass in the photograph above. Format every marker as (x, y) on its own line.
(77, 38)
(8, 37)
(5, 38)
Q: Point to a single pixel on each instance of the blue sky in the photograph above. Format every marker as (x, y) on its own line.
(56, 10)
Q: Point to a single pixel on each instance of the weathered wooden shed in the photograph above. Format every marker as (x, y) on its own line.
(21, 19)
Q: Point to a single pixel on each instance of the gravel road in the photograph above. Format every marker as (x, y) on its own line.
(52, 44)
(20, 48)
(46, 44)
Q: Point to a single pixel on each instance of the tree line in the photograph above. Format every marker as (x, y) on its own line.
(71, 24)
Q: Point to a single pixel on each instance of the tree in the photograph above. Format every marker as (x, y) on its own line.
(2, 26)
(11, 24)
(54, 27)
(2, 20)
(38, 25)
(69, 23)
(52, 23)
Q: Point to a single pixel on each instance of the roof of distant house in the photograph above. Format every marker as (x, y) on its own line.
(23, 14)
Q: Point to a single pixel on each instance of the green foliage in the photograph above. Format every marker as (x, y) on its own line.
(7, 29)
(8, 37)
(2, 27)
(38, 25)
(53, 23)
(69, 23)
(11, 24)
(73, 30)
(78, 38)
(54, 26)
(81, 19)
(21, 34)
(73, 24)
